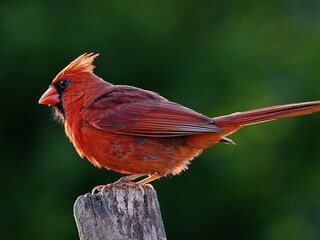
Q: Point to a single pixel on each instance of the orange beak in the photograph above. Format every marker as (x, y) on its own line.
(50, 97)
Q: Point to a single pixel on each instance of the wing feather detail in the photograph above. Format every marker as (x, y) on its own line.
(133, 111)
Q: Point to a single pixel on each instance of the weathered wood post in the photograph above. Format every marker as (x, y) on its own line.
(119, 213)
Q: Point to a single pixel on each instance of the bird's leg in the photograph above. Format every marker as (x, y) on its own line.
(150, 179)
(126, 180)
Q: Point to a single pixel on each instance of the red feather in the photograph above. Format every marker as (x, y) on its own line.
(133, 111)
(134, 131)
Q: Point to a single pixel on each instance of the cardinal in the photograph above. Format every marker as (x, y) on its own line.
(138, 132)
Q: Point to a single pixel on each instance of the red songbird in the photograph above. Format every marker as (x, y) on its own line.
(134, 131)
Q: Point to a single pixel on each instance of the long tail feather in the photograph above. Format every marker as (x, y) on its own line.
(267, 114)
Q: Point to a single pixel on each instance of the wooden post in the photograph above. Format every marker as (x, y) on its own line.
(119, 213)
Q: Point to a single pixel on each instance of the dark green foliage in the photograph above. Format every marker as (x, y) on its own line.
(216, 57)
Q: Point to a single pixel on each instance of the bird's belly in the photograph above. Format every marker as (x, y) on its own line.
(134, 154)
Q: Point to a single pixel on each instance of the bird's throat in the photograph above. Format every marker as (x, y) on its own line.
(58, 113)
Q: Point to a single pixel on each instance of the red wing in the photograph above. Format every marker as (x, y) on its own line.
(146, 115)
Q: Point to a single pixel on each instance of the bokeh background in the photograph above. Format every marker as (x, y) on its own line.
(216, 57)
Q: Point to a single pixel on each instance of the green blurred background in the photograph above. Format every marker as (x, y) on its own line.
(216, 57)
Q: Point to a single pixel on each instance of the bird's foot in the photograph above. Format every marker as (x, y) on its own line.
(116, 184)
(124, 181)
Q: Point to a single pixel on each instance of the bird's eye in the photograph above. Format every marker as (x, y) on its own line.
(63, 83)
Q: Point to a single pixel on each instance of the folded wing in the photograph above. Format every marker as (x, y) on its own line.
(133, 111)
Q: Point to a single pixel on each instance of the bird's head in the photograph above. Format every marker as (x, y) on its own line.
(70, 84)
